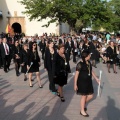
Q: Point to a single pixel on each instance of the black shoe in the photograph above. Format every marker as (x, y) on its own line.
(25, 79)
(95, 66)
(104, 62)
(115, 72)
(58, 94)
(8, 68)
(41, 86)
(62, 99)
(108, 71)
(31, 85)
(18, 74)
(5, 71)
(84, 115)
(32, 79)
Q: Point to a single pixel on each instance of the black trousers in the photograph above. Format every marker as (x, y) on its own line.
(17, 65)
(51, 80)
(74, 56)
(1, 62)
(6, 62)
(43, 52)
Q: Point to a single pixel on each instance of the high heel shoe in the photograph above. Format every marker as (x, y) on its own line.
(62, 99)
(58, 94)
(84, 115)
(115, 72)
(31, 85)
(40, 86)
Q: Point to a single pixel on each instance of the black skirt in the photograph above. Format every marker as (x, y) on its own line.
(24, 69)
(61, 79)
(34, 67)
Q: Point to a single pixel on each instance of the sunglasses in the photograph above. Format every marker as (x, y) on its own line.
(34, 45)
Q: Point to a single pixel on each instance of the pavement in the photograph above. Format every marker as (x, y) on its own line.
(18, 101)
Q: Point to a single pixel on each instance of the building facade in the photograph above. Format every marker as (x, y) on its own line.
(11, 13)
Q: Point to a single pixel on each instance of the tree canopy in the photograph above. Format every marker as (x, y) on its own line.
(77, 13)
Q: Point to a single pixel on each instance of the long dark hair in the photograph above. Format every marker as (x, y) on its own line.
(36, 45)
(84, 54)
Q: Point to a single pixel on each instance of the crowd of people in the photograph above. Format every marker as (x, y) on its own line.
(86, 49)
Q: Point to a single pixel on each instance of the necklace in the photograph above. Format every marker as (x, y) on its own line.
(88, 66)
(34, 52)
(63, 56)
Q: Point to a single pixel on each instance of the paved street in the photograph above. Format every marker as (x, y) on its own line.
(20, 102)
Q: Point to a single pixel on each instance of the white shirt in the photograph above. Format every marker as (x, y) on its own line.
(5, 48)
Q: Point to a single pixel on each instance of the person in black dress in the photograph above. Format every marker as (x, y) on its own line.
(94, 53)
(42, 46)
(83, 81)
(24, 60)
(16, 57)
(34, 64)
(62, 68)
(49, 64)
(111, 56)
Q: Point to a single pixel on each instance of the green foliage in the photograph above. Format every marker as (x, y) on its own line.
(77, 13)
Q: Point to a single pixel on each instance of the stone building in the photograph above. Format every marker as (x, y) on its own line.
(11, 13)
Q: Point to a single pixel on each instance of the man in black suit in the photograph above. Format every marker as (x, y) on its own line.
(61, 41)
(75, 47)
(42, 46)
(68, 46)
(1, 62)
(5, 54)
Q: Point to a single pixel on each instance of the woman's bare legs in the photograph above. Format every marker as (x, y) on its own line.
(30, 78)
(38, 79)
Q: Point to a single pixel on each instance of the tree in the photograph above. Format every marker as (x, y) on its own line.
(114, 6)
(88, 12)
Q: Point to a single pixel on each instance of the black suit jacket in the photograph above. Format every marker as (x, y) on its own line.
(47, 62)
(73, 46)
(2, 50)
(61, 42)
(42, 46)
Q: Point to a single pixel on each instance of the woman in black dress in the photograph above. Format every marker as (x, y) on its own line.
(62, 68)
(16, 56)
(49, 64)
(24, 60)
(111, 56)
(34, 64)
(83, 81)
(94, 53)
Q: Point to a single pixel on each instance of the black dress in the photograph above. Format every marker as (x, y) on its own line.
(62, 68)
(33, 62)
(93, 51)
(112, 54)
(24, 60)
(84, 82)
